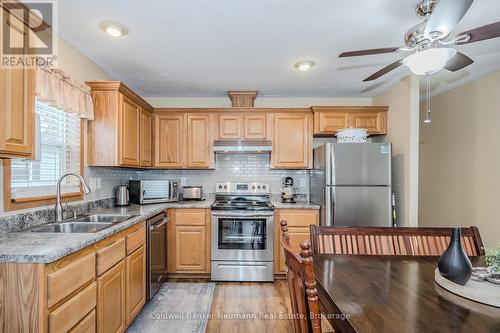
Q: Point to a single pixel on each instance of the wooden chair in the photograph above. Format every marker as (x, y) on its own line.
(301, 284)
(391, 241)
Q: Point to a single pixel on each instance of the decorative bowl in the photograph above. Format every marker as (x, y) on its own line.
(352, 135)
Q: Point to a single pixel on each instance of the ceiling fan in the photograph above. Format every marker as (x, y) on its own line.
(431, 40)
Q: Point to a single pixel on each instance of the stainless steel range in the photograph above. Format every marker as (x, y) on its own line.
(242, 233)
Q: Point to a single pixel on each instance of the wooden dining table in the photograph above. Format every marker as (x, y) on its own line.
(365, 294)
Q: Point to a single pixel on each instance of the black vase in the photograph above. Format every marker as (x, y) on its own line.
(454, 264)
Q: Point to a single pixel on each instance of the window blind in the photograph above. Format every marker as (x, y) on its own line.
(57, 148)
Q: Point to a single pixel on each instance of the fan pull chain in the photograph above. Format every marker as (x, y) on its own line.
(427, 119)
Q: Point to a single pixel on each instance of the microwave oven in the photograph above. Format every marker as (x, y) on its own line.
(153, 191)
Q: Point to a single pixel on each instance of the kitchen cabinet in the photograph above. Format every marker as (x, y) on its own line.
(188, 240)
(255, 126)
(329, 119)
(230, 126)
(111, 316)
(199, 141)
(299, 221)
(170, 144)
(146, 141)
(135, 283)
(130, 129)
(184, 141)
(115, 136)
(243, 126)
(17, 105)
(292, 141)
(99, 288)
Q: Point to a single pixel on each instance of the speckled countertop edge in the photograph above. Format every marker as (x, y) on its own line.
(29, 247)
(298, 205)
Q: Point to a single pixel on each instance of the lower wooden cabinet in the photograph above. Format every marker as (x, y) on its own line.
(135, 283)
(188, 241)
(299, 221)
(97, 289)
(111, 317)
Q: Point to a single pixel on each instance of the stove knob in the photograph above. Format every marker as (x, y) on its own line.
(258, 187)
(220, 187)
(253, 187)
(225, 187)
(263, 187)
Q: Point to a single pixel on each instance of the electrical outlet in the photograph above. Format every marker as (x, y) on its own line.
(302, 182)
(183, 181)
(98, 183)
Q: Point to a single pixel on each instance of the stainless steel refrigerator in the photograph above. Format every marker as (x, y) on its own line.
(352, 184)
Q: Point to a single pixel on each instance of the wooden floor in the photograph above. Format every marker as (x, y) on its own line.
(235, 300)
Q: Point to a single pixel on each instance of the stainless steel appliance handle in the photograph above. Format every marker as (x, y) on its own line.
(162, 223)
(234, 214)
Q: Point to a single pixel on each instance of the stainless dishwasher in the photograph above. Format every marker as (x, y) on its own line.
(156, 253)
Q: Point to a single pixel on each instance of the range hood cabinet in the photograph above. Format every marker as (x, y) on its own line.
(243, 146)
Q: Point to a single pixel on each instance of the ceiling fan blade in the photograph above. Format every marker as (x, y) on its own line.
(446, 16)
(368, 52)
(458, 62)
(384, 71)
(482, 33)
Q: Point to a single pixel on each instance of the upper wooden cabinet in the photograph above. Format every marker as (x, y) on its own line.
(129, 126)
(292, 141)
(243, 126)
(230, 126)
(146, 141)
(184, 140)
(17, 110)
(329, 119)
(121, 123)
(255, 126)
(199, 141)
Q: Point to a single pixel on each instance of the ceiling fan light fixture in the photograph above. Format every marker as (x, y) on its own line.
(429, 61)
(304, 66)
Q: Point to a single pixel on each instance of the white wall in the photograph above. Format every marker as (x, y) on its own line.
(460, 159)
(403, 132)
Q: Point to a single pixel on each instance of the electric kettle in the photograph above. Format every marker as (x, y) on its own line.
(122, 196)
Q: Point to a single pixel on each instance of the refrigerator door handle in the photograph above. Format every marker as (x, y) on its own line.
(329, 206)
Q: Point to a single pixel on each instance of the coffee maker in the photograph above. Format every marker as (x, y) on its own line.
(288, 192)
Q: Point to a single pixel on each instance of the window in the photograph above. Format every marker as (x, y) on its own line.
(57, 151)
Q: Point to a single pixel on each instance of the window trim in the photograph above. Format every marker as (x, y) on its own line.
(10, 204)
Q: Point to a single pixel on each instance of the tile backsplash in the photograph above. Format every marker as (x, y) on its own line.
(234, 167)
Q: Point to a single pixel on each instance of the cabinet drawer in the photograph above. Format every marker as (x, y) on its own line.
(190, 217)
(87, 325)
(298, 217)
(69, 278)
(135, 240)
(110, 255)
(71, 312)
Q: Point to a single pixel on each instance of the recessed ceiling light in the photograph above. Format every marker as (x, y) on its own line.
(113, 29)
(304, 65)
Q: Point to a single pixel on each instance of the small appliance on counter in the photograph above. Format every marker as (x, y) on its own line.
(122, 196)
(192, 193)
(288, 192)
(153, 191)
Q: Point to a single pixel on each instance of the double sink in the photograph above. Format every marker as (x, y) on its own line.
(83, 224)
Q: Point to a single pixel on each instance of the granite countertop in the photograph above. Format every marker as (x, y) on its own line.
(297, 205)
(33, 247)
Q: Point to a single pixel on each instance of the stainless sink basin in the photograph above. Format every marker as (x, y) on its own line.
(83, 224)
(108, 218)
(72, 227)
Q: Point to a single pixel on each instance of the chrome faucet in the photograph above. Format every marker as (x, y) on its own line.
(59, 208)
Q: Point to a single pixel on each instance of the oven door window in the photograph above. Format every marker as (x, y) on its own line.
(242, 233)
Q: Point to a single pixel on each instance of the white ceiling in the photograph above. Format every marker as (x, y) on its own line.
(204, 48)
